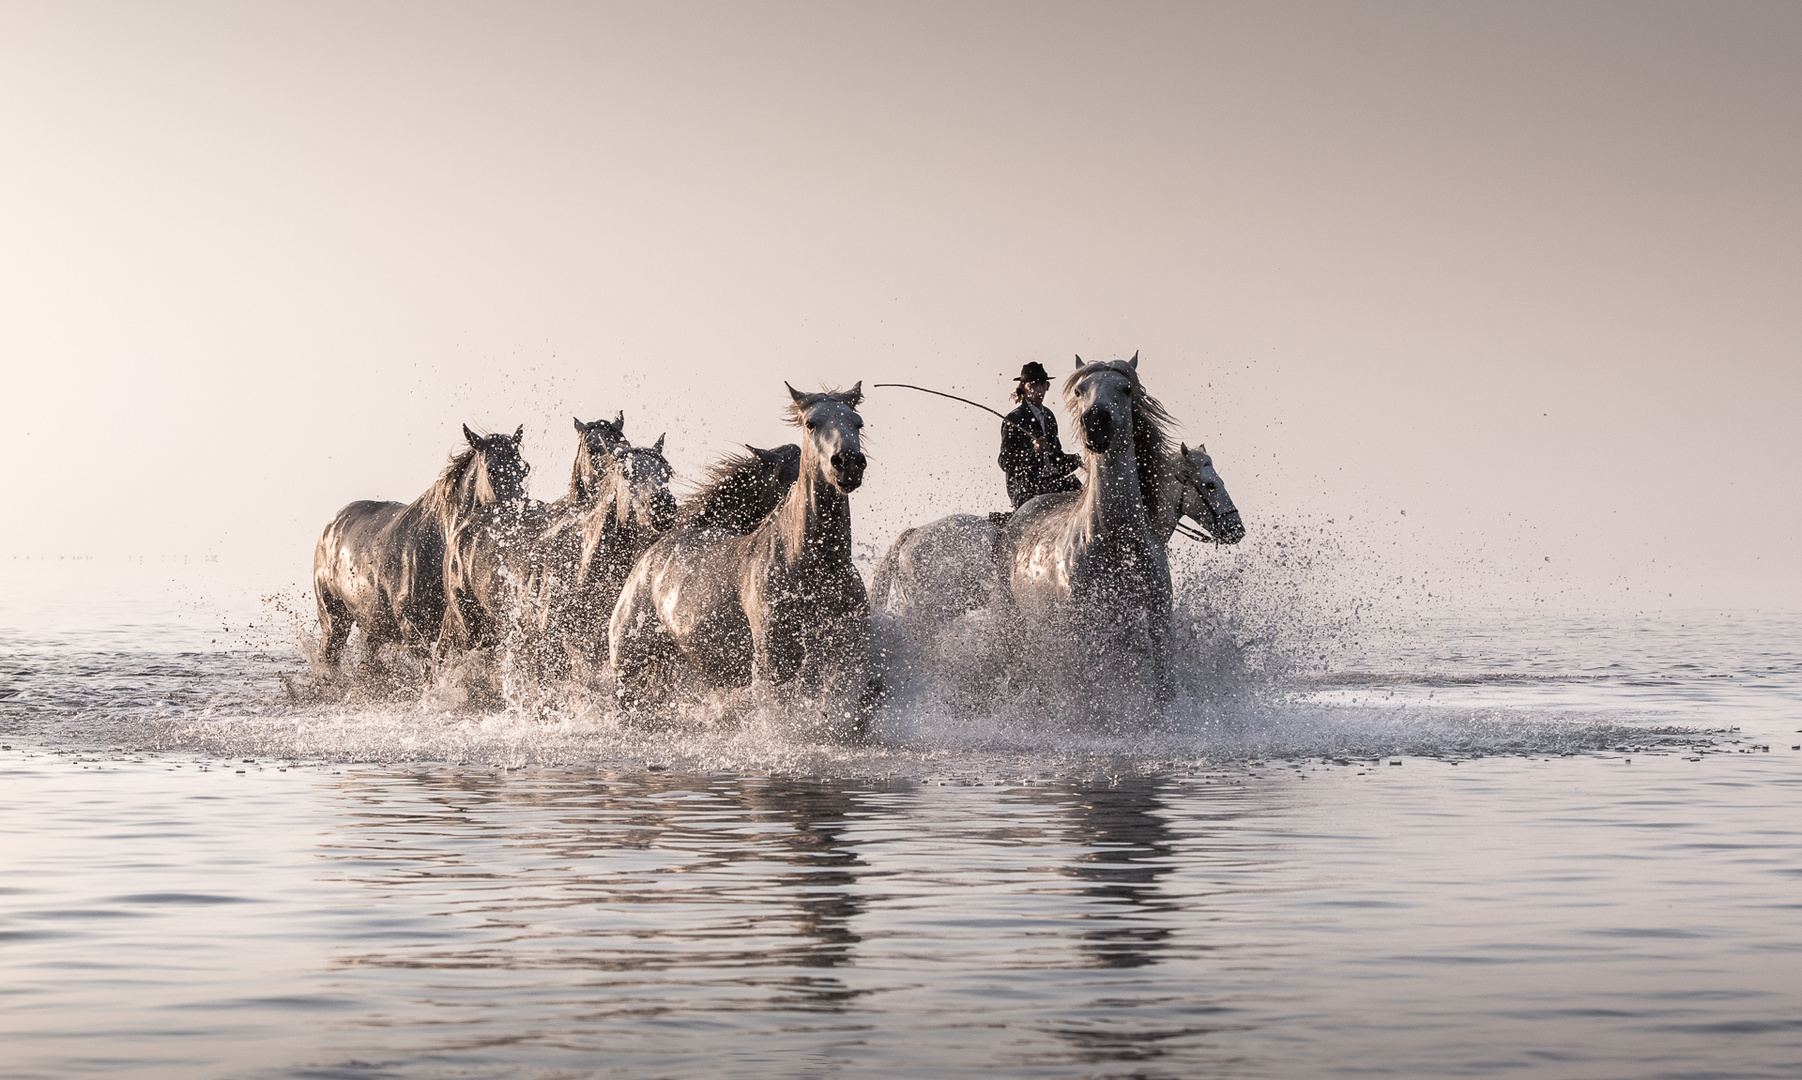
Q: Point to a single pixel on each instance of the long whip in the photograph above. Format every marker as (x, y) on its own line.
(965, 400)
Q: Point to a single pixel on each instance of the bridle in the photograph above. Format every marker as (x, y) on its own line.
(1200, 535)
(1195, 534)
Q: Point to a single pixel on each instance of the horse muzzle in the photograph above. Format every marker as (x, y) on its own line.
(1097, 429)
(1231, 529)
(848, 467)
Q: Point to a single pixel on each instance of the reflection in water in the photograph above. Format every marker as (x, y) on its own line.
(653, 872)
(820, 887)
(606, 916)
(1126, 848)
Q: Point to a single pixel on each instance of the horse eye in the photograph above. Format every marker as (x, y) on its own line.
(811, 425)
(1209, 484)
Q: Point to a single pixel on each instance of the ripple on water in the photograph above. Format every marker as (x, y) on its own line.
(1250, 887)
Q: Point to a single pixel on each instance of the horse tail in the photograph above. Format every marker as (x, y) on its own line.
(886, 571)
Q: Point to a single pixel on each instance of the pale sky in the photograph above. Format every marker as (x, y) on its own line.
(1531, 273)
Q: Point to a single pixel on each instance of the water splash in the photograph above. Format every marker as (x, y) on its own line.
(1281, 654)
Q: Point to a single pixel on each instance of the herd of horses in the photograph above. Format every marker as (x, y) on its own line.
(749, 582)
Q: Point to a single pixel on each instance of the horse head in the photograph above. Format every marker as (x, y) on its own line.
(497, 472)
(602, 437)
(1115, 416)
(643, 495)
(781, 465)
(832, 442)
(1203, 497)
(1101, 396)
(597, 442)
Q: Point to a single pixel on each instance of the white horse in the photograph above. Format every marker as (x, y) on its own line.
(943, 569)
(1088, 566)
(780, 606)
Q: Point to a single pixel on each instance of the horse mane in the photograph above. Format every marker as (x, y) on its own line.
(738, 491)
(584, 481)
(1151, 433)
(441, 498)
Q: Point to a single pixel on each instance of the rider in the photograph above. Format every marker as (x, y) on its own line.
(1031, 455)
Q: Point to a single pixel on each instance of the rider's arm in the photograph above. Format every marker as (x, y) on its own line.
(1017, 455)
(1058, 463)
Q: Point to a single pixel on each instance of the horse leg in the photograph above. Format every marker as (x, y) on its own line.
(535, 613)
(552, 657)
(763, 673)
(371, 669)
(860, 674)
(637, 648)
(1160, 657)
(386, 626)
(334, 623)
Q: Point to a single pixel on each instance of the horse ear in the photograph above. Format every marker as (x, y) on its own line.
(658, 445)
(519, 435)
(1134, 362)
(619, 421)
(1078, 359)
(765, 456)
(580, 426)
(1184, 449)
(854, 395)
(797, 395)
(474, 439)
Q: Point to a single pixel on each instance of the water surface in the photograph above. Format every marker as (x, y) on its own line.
(1497, 846)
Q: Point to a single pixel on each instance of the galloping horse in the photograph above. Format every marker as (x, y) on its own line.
(944, 568)
(380, 565)
(583, 556)
(552, 571)
(1089, 564)
(782, 604)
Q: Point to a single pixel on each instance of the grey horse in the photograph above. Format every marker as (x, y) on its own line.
(781, 605)
(583, 557)
(380, 565)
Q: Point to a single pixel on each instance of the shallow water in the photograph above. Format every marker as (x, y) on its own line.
(1490, 844)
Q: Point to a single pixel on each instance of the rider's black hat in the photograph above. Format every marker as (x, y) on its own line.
(1033, 371)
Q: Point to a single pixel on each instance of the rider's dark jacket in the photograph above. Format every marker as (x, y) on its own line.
(1028, 474)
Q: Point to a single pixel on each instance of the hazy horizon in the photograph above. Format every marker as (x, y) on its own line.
(1501, 294)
